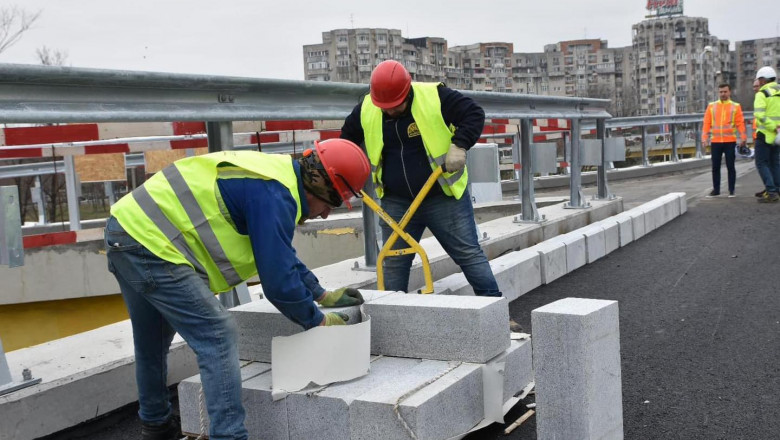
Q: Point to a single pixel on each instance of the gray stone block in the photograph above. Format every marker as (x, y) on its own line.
(552, 259)
(637, 222)
(611, 234)
(625, 228)
(449, 406)
(455, 284)
(595, 242)
(443, 327)
(259, 322)
(518, 367)
(576, 349)
(189, 397)
(325, 414)
(517, 273)
(654, 214)
(575, 250)
(265, 419)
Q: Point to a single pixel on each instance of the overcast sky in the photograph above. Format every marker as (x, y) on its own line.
(265, 39)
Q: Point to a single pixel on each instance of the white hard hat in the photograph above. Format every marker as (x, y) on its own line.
(766, 72)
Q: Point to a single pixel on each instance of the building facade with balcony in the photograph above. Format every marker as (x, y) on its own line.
(749, 56)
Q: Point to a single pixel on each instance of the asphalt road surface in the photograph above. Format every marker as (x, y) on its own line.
(699, 305)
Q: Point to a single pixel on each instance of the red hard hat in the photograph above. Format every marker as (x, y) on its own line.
(390, 83)
(346, 165)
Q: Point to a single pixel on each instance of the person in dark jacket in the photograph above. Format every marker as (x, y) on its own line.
(410, 129)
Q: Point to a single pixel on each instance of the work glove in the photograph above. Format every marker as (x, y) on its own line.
(455, 159)
(344, 297)
(335, 318)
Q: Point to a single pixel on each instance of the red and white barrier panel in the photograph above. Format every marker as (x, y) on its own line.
(59, 238)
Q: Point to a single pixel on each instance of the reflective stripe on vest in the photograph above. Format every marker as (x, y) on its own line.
(176, 213)
(436, 137)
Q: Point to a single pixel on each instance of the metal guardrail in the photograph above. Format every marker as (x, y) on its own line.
(52, 94)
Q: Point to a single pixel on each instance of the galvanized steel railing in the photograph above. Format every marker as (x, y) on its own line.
(47, 94)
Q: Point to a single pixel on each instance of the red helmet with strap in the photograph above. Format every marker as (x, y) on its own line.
(390, 84)
(346, 167)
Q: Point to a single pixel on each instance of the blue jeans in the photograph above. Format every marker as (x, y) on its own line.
(768, 163)
(164, 298)
(719, 149)
(451, 221)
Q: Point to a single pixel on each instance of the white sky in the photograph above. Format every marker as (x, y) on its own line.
(265, 38)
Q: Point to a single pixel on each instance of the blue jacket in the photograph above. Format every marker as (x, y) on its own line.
(405, 166)
(265, 210)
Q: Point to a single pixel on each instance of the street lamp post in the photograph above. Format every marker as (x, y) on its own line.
(703, 77)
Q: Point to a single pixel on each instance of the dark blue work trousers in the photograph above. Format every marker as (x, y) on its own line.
(719, 149)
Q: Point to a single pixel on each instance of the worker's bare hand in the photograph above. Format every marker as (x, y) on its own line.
(344, 297)
(335, 318)
(455, 159)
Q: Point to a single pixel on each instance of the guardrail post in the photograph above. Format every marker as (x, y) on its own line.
(603, 191)
(645, 162)
(72, 191)
(528, 206)
(699, 150)
(566, 153)
(11, 247)
(108, 188)
(39, 199)
(220, 135)
(576, 200)
(673, 130)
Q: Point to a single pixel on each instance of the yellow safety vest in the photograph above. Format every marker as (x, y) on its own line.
(766, 110)
(179, 216)
(436, 136)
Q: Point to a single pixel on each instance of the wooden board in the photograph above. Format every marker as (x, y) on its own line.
(101, 167)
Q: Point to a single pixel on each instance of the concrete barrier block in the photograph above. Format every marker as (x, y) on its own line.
(449, 406)
(625, 228)
(637, 223)
(654, 215)
(552, 260)
(575, 250)
(611, 234)
(259, 322)
(190, 399)
(595, 242)
(576, 349)
(455, 284)
(443, 327)
(683, 202)
(517, 273)
(265, 418)
(325, 414)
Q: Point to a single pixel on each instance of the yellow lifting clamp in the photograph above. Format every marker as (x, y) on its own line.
(398, 231)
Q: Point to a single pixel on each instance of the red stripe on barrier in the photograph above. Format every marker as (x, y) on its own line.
(518, 166)
(190, 143)
(51, 134)
(500, 121)
(41, 240)
(20, 153)
(106, 148)
(266, 138)
(563, 164)
(330, 134)
(492, 129)
(189, 128)
(288, 125)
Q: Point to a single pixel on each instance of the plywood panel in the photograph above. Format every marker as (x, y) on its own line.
(100, 167)
(157, 160)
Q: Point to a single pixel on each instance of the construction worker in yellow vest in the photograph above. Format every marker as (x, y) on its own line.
(723, 119)
(409, 129)
(203, 225)
(766, 110)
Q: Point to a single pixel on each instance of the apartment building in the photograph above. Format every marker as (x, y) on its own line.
(749, 56)
(678, 65)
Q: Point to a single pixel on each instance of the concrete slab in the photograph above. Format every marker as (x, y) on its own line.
(517, 273)
(325, 414)
(611, 234)
(653, 213)
(625, 228)
(576, 349)
(443, 327)
(265, 419)
(259, 322)
(637, 223)
(450, 404)
(552, 260)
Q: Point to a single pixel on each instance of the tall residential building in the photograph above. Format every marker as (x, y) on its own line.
(749, 56)
(678, 65)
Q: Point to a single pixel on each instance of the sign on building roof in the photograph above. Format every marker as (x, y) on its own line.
(662, 8)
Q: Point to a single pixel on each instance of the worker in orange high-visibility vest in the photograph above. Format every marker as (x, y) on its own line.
(722, 119)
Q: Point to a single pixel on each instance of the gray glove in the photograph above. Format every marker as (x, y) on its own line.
(455, 159)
